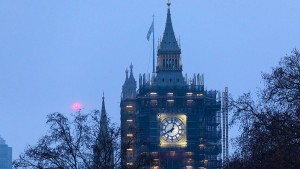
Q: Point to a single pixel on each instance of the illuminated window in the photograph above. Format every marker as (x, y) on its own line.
(189, 167)
(129, 149)
(199, 94)
(189, 160)
(129, 120)
(129, 135)
(189, 94)
(189, 153)
(189, 102)
(202, 146)
(129, 106)
(153, 94)
(170, 94)
(170, 102)
(129, 163)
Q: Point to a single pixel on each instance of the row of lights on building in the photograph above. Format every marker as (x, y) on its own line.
(153, 94)
(172, 153)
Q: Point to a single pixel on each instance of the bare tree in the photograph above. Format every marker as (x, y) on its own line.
(70, 144)
(270, 124)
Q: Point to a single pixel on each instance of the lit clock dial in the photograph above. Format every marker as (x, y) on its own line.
(172, 129)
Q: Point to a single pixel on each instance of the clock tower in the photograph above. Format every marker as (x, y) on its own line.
(171, 121)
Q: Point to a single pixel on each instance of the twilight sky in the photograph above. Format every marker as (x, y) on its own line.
(57, 52)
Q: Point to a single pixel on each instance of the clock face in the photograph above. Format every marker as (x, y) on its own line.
(172, 129)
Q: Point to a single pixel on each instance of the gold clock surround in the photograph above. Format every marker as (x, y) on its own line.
(180, 143)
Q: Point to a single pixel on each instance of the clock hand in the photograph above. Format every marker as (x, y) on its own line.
(169, 131)
(166, 132)
(173, 126)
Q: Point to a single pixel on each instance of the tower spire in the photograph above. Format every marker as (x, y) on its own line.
(131, 67)
(169, 3)
(169, 44)
(103, 116)
(103, 103)
(169, 52)
(103, 150)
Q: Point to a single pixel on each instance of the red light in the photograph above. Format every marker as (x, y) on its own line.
(76, 106)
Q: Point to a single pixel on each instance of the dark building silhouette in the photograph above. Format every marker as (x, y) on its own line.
(5, 155)
(104, 150)
(170, 121)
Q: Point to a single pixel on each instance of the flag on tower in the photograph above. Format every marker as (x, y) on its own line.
(151, 29)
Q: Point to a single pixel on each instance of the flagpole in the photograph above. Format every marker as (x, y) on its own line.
(153, 49)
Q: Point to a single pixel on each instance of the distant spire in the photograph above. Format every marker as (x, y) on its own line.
(169, 3)
(131, 67)
(103, 111)
(103, 148)
(126, 71)
(169, 43)
(103, 118)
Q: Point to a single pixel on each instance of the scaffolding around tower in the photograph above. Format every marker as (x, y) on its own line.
(225, 125)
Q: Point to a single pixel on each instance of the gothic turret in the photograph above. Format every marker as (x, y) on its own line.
(129, 87)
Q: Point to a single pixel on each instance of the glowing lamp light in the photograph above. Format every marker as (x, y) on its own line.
(76, 106)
